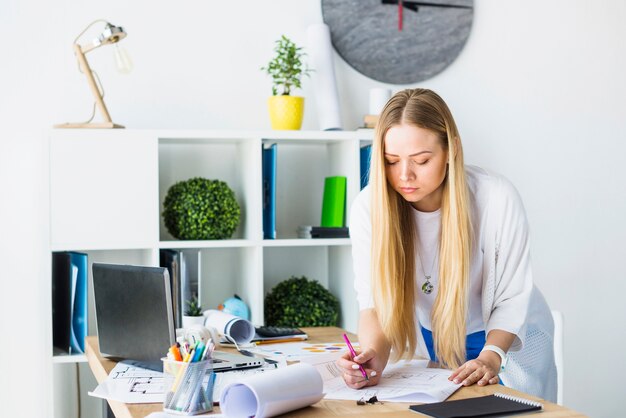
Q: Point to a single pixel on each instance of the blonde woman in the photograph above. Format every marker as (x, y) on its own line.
(442, 263)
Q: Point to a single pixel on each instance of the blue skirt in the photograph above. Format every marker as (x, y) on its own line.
(473, 344)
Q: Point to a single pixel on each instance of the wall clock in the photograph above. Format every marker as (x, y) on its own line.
(398, 41)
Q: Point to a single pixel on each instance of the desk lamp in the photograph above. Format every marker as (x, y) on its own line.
(110, 35)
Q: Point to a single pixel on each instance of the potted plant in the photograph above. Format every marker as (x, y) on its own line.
(193, 313)
(286, 70)
(300, 302)
(201, 209)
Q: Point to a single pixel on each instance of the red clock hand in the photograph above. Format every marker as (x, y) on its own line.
(399, 15)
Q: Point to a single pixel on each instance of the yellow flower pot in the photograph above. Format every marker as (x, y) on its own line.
(286, 112)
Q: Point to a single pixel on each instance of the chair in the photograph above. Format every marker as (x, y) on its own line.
(557, 316)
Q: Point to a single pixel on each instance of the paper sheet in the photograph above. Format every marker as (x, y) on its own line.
(166, 415)
(400, 382)
(132, 384)
(273, 393)
(129, 383)
(297, 351)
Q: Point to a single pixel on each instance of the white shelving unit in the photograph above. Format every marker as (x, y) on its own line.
(107, 189)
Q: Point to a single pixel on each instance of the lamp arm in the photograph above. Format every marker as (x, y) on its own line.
(84, 65)
(87, 27)
(87, 48)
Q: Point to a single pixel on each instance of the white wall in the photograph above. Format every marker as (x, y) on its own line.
(538, 93)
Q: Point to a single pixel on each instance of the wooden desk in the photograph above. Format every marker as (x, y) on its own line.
(101, 367)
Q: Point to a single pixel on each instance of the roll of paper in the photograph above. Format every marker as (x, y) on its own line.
(320, 52)
(378, 99)
(230, 326)
(272, 393)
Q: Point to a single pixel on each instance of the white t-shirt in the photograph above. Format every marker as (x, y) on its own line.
(428, 228)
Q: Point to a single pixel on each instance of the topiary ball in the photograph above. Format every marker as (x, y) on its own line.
(299, 302)
(199, 209)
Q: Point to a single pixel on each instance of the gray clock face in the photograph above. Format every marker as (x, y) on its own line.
(367, 35)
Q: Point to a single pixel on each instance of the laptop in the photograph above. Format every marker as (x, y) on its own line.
(135, 320)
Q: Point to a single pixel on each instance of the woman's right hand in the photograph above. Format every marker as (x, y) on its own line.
(351, 373)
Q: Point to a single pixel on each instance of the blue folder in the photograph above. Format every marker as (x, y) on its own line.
(269, 191)
(78, 328)
(366, 155)
(69, 301)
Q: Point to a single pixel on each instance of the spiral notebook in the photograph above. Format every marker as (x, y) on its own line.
(484, 406)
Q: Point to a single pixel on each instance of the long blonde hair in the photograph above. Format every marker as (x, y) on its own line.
(393, 249)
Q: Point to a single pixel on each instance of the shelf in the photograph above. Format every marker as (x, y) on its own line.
(243, 243)
(100, 247)
(219, 136)
(69, 358)
(148, 162)
(125, 175)
(226, 243)
(230, 158)
(304, 242)
(305, 141)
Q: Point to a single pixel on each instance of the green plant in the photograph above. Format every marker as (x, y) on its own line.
(286, 68)
(193, 307)
(199, 209)
(300, 302)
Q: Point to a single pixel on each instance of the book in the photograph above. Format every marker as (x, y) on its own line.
(61, 319)
(69, 301)
(169, 259)
(370, 121)
(365, 158)
(334, 202)
(184, 268)
(269, 191)
(189, 277)
(308, 232)
(496, 404)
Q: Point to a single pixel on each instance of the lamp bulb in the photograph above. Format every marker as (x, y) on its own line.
(122, 59)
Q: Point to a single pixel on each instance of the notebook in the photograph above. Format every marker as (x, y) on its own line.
(484, 406)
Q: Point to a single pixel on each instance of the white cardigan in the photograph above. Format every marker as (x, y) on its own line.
(510, 301)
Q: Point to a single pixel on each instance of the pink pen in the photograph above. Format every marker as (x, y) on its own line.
(353, 354)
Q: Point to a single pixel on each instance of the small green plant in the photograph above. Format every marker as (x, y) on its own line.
(193, 307)
(201, 209)
(286, 68)
(300, 302)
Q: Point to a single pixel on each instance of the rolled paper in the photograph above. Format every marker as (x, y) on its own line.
(239, 329)
(320, 51)
(378, 99)
(272, 393)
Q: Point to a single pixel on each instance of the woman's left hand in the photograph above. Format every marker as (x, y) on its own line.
(484, 370)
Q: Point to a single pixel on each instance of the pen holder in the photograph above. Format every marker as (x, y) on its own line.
(188, 387)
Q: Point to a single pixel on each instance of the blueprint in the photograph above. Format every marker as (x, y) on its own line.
(130, 383)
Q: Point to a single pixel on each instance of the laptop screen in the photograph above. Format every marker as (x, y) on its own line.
(134, 315)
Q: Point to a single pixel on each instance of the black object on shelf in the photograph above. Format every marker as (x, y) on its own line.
(307, 231)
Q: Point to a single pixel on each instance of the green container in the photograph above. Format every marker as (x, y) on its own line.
(334, 203)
